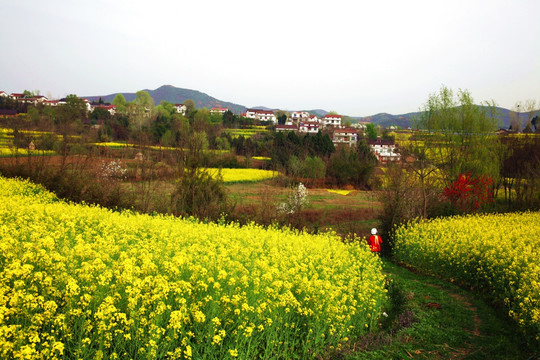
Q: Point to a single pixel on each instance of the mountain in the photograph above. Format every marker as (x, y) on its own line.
(385, 119)
(177, 96)
(406, 120)
(319, 112)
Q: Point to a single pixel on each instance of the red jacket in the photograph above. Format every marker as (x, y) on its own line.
(375, 242)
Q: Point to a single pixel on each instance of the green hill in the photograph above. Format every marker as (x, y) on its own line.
(177, 96)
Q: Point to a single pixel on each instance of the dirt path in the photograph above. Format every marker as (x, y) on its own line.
(461, 353)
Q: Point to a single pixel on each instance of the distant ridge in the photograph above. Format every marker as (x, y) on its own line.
(176, 95)
(406, 120)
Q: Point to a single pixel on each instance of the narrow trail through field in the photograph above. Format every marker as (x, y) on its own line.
(462, 352)
(436, 319)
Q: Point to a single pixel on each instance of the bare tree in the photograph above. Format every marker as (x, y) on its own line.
(515, 114)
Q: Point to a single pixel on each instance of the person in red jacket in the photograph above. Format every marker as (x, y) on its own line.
(374, 241)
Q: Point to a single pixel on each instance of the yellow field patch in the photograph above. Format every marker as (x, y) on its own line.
(244, 175)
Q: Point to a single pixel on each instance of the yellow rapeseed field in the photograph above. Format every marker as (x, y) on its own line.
(244, 175)
(7, 149)
(497, 254)
(339, 192)
(84, 282)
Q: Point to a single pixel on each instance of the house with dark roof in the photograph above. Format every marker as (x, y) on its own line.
(385, 150)
(285, 128)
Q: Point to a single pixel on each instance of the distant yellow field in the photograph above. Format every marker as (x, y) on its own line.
(244, 175)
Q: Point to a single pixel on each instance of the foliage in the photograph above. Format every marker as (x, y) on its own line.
(520, 173)
(470, 193)
(85, 282)
(292, 144)
(120, 102)
(201, 194)
(352, 166)
(462, 140)
(371, 131)
(496, 254)
(314, 168)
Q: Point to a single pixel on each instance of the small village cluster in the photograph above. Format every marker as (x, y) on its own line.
(299, 121)
(304, 123)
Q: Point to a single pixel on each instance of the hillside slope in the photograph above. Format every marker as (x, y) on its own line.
(177, 95)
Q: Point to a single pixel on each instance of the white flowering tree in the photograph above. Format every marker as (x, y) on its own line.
(296, 200)
(113, 170)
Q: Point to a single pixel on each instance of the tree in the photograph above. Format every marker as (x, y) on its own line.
(201, 119)
(190, 107)
(423, 170)
(120, 103)
(388, 135)
(143, 98)
(314, 168)
(470, 193)
(200, 194)
(229, 119)
(371, 131)
(352, 166)
(282, 119)
(459, 134)
(515, 117)
(139, 111)
(28, 94)
(530, 108)
(66, 118)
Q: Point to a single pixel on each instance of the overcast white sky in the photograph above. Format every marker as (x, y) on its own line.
(358, 58)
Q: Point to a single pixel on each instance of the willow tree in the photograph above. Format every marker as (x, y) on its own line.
(459, 135)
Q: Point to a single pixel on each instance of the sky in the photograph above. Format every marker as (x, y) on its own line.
(357, 58)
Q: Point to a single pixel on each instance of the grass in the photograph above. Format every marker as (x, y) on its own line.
(434, 319)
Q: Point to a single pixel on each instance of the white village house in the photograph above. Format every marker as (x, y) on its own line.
(219, 110)
(298, 116)
(385, 150)
(262, 115)
(180, 109)
(345, 136)
(309, 127)
(332, 120)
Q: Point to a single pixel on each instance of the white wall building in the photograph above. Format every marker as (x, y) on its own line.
(219, 110)
(345, 136)
(298, 116)
(262, 115)
(385, 150)
(309, 127)
(180, 109)
(332, 120)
